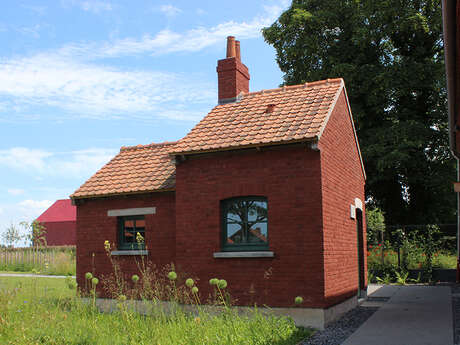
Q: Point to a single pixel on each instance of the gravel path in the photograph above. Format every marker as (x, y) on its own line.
(339, 330)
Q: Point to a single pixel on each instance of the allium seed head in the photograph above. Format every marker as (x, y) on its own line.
(135, 278)
(95, 281)
(194, 289)
(222, 284)
(213, 281)
(88, 275)
(298, 300)
(172, 275)
(189, 282)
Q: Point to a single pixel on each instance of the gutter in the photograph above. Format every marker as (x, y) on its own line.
(449, 21)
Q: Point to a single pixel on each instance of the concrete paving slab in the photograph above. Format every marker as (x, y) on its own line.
(414, 315)
(379, 291)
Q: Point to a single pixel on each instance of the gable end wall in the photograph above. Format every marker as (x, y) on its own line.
(342, 182)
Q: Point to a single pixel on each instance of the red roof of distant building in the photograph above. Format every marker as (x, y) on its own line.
(60, 211)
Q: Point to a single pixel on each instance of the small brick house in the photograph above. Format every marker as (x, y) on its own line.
(266, 192)
(60, 223)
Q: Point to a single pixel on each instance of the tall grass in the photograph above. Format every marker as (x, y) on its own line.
(49, 260)
(48, 311)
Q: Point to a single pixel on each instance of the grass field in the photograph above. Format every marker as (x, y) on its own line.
(46, 311)
(49, 261)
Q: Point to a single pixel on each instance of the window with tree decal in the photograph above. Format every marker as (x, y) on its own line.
(245, 223)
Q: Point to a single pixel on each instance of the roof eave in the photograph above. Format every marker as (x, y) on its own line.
(312, 140)
(99, 196)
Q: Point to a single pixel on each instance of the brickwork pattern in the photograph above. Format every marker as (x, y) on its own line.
(342, 181)
(94, 227)
(290, 179)
(233, 78)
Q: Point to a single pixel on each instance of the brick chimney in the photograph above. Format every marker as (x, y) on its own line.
(233, 75)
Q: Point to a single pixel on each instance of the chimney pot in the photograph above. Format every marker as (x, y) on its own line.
(237, 50)
(231, 51)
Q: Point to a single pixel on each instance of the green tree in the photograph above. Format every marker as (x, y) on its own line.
(35, 233)
(375, 224)
(390, 54)
(11, 236)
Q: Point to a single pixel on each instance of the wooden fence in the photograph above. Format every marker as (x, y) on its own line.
(30, 257)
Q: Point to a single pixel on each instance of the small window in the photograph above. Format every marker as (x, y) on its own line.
(245, 224)
(131, 232)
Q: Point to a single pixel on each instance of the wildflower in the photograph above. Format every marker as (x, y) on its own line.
(139, 238)
(122, 298)
(135, 278)
(368, 254)
(213, 281)
(298, 300)
(195, 289)
(189, 282)
(95, 281)
(88, 275)
(222, 284)
(197, 319)
(107, 245)
(172, 275)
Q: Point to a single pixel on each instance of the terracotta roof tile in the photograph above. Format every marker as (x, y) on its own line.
(296, 113)
(136, 169)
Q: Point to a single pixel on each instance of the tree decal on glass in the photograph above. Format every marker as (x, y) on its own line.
(246, 221)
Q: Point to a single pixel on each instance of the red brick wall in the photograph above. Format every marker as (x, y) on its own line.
(94, 227)
(342, 181)
(60, 233)
(290, 179)
(233, 78)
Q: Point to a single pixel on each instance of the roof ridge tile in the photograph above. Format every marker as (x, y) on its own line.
(146, 146)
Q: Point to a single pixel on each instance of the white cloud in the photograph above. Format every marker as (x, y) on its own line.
(94, 6)
(15, 191)
(71, 80)
(170, 10)
(21, 158)
(95, 91)
(40, 10)
(30, 30)
(200, 11)
(35, 206)
(39, 163)
(167, 41)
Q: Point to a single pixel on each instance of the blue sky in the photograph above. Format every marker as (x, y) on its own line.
(81, 78)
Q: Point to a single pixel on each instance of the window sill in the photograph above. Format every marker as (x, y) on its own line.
(226, 255)
(129, 252)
